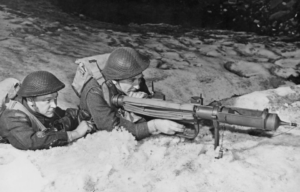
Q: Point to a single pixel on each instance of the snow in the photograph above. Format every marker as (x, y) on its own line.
(18, 173)
(218, 64)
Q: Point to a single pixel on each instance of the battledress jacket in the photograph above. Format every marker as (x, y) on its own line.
(108, 117)
(24, 134)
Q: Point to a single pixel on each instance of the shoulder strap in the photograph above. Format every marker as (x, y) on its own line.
(18, 106)
(109, 90)
(106, 93)
(96, 71)
(82, 76)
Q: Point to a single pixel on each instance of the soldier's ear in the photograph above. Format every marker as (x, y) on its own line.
(30, 101)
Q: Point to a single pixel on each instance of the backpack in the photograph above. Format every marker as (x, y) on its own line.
(8, 90)
(91, 67)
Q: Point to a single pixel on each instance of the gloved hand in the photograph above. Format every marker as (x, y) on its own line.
(168, 127)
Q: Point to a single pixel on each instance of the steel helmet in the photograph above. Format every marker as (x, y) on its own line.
(124, 63)
(40, 83)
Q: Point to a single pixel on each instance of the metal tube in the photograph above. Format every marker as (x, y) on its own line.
(267, 121)
(247, 121)
(235, 116)
(119, 100)
(216, 133)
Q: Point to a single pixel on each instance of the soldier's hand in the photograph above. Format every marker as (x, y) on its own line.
(138, 94)
(168, 127)
(83, 115)
(78, 114)
(82, 129)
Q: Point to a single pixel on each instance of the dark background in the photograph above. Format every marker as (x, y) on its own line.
(265, 17)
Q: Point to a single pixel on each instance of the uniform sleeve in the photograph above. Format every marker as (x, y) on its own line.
(68, 122)
(17, 129)
(106, 117)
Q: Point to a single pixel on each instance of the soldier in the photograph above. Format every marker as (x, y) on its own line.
(123, 74)
(32, 119)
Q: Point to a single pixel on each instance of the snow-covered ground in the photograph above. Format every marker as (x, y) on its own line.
(218, 64)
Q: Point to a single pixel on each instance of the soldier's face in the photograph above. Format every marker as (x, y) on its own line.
(130, 85)
(45, 104)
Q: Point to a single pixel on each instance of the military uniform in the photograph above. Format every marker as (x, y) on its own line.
(18, 129)
(27, 129)
(123, 63)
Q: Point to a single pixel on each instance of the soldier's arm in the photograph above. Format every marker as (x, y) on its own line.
(106, 118)
(22, 134)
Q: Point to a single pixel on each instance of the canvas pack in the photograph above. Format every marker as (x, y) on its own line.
(8, 90)
(88, 67)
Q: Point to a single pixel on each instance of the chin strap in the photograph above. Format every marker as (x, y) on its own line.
(36, 109)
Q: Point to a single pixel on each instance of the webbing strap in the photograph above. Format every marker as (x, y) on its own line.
(96, 71)
(18, 106)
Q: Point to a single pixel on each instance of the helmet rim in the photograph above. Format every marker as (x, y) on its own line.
(39, 83)
(124, 63)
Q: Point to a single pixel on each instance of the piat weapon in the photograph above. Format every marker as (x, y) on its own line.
(192, 113)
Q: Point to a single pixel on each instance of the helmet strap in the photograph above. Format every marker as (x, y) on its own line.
(33, 105)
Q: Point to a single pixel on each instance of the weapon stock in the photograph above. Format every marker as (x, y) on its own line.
(193, 112)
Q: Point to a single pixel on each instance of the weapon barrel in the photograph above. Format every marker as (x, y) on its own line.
(269, 122)
(188, 111)
(121, 100)
(249, 118)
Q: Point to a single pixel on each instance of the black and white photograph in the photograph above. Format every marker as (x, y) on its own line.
(149, 95)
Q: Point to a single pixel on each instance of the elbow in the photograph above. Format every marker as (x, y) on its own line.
(108, 126)
(21, 146)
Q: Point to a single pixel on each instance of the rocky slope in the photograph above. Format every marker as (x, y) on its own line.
(184, 62)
